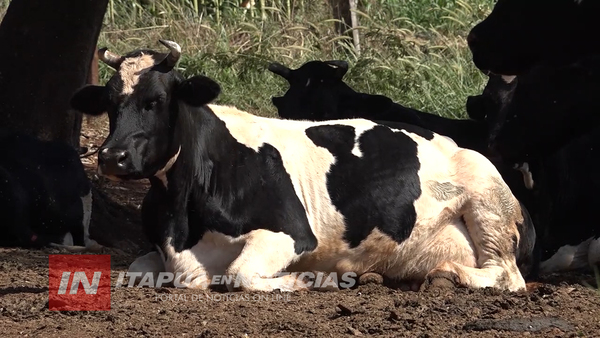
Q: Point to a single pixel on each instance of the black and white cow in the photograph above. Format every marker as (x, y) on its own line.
(45, 195)
(246, 196)
(317, 92)
(530, 118)
(519, 34)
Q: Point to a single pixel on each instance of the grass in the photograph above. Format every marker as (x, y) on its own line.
(411, 51)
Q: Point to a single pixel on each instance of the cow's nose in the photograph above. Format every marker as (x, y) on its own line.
(113, 161)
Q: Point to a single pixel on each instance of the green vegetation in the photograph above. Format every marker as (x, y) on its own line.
(413, 51)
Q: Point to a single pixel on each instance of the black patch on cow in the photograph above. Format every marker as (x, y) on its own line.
(376, 190)
(262, 197)
(221, 185)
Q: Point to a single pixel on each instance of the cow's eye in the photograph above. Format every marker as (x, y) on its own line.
(150, 105)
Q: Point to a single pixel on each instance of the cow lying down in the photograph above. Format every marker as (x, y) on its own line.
(245, 196)
(45, 196)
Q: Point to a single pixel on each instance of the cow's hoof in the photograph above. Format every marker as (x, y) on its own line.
(370, 277)
(441, 280)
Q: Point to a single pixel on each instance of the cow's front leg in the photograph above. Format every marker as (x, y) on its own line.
(264, 255)
(191, 263)
(203, 264)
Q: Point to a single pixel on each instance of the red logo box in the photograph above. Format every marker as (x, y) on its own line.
(79, 282)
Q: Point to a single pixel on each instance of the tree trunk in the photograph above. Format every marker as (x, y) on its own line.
(93, 76)
(343, 11)
(47, 49)
(354, 21)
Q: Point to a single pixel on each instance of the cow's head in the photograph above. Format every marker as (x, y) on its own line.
(140, 101)
(315, 90)
(520, 33)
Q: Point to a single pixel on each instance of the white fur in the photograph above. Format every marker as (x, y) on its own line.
(527, 175)
(68, 239)
(162, 173)
(211, 256)
(568, 257)
(358, 132)
(508, 79)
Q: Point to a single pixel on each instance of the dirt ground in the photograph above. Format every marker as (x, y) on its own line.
(560, 306)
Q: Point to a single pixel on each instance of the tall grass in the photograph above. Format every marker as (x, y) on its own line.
(412, 51)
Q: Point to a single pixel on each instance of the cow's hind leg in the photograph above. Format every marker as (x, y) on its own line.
(490, 213)
(490, 276)
(264, 255)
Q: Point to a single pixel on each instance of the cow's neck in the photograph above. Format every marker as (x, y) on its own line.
(209, 155)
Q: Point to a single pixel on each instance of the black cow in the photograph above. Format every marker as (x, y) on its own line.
(550, 107)
(318, 93)
(247, 197)
(45, 196)
(562, 180)
(519, 34)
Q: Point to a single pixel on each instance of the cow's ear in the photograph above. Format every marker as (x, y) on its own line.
(280, 70)
(198, 91)
(91, 100)
(341, 67)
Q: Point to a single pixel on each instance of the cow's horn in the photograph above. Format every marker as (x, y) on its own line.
(110, 58)
(174, 55)
(338, 63)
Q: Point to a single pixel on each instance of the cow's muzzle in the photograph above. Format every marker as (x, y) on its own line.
(113, 162)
